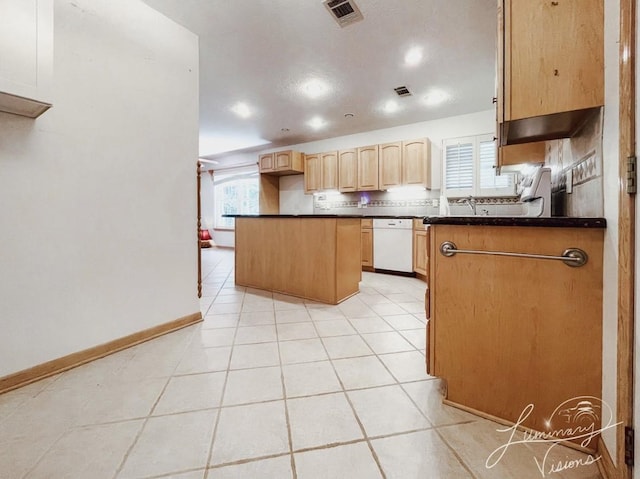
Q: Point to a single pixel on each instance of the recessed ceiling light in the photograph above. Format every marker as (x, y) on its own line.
(413, 56)
(316, 123)
(315, 88)
(436, 97)
(242, 110)
(391, 106)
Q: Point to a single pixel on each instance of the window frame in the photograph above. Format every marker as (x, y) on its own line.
(476, 189)
(225, 178)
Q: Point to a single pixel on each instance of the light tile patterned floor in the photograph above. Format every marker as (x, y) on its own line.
(267, 386)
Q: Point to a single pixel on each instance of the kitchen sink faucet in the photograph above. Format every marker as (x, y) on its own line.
(470, 201)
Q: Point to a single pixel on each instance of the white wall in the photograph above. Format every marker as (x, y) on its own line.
(610, 171)
(97, 196)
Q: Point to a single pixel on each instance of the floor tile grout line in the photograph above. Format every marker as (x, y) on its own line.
(149, 415)
(224, 390)
(294, 472)
(453, 450)
(353, 410)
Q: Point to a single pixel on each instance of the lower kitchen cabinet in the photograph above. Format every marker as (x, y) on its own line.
(506, 332)
(420, 245)
(366, 235)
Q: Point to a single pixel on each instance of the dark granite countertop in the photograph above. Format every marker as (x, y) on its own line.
(552, 222)
(408, 217)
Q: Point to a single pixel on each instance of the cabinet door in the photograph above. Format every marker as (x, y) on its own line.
(348, 170)
(390, 165)
(420, 252)
(416, 168)
(329, 170)
(266, 163)
(368, 168)
(554, 56)
(367, 247)
(282, 160)
(312, 174)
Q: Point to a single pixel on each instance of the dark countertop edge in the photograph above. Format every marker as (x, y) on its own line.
(552, 222)
(408, 217)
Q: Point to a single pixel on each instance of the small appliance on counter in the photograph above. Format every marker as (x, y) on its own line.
(536, 192)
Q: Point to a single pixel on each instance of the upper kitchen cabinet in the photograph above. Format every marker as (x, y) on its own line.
(550, 67)
(312, 174)
(320, 172)
(348, 170)
(416, 163)
(329, 162)
(368, 166)
(282, 163)
(26, 50)
(390, 168)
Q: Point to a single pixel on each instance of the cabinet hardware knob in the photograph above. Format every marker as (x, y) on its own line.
(495, 138)
(494, 100)
(554, 4)
(555, 73)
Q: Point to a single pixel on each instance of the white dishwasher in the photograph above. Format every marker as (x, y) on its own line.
(393, 245)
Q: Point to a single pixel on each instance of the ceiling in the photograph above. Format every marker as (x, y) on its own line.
(262, 53)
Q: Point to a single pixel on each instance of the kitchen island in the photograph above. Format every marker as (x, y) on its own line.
(313, 257)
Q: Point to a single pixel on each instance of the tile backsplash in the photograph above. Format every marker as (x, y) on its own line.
(409, 203)
(576, 172)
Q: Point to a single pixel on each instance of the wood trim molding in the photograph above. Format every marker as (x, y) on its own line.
(626, 231)
(55, 366)
(504, 422)
(605, 464)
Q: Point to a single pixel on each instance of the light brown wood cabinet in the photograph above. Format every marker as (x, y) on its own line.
(366, 235)
(368, 168)
(523, 153)
(498, 319)
(550, 67)
(390, 168)
(312, 174)
(405, 163)
(348, 170)
(329, 162)
(281, 163)
(420, 246)
(416, 163)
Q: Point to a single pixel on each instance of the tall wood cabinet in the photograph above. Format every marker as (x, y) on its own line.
(550, 67)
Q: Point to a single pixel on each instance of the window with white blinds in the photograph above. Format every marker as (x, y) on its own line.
(469, 168)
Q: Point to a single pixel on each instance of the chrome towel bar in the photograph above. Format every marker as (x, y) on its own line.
(573, 257)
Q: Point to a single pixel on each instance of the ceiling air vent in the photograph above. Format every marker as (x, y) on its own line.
(345, 12)
(402, 91)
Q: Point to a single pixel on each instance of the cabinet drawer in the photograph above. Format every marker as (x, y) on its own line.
(366, 223)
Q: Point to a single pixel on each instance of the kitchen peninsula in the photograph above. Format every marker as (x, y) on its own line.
(313, 257)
